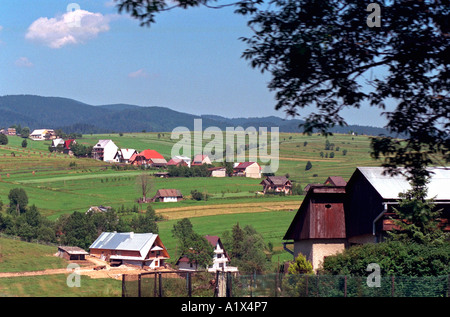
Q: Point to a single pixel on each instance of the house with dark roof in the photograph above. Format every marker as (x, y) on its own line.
(142, 249)
(318, 228)
(332, 218)
(167, 195)
(277, 184)
(335, 181)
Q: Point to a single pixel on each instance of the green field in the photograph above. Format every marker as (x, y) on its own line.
(58, 184)
(56, 188)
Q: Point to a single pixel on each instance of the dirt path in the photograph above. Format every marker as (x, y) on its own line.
(220, 209)
(86, 269)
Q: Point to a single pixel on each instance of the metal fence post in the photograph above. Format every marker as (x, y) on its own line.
(139, 285)
(124, 290)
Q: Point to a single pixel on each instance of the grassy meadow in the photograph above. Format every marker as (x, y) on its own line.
(58, 184)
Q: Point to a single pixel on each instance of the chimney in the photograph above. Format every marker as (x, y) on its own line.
(131, 235)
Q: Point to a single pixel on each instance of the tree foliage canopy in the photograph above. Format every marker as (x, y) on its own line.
(324, 54)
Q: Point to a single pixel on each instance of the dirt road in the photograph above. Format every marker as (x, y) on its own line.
(85, 269)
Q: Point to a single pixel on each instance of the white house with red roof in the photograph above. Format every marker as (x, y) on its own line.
(201, 159)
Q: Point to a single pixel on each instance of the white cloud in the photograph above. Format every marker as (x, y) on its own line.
(23, 62)
(74, 27)
(138, 74)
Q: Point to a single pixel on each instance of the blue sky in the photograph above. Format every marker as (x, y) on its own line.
(189, 61)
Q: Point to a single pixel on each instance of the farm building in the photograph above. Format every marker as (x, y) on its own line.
(9, 131)
(148, 157)
(167, 195)
(247, 169)
(335, 181)
(371, 196)
(220, 259)
(57, 142)
(180, 160)
(124, 155)
(177, 162)
(42, 134)
(201, 159)
(318, 228)
(142, 249)
(104, 150)
(218, 171)
(278, 184)
(71, 253)
(332, 218)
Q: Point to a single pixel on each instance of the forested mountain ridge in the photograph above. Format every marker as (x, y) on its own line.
(73, 116)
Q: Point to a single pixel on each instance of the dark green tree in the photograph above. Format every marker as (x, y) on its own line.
(18, 200)
(192, 245)
(3, 139)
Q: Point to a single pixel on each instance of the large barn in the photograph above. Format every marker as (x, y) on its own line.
(142, 249)
(332, 218)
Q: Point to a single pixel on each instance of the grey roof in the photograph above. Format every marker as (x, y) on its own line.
(125, 241)
(390, 186)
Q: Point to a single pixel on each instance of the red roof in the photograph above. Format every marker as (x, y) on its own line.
(151, 154)
(68, 143)
(244, 165)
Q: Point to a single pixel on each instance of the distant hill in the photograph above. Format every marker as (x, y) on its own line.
(74, 116)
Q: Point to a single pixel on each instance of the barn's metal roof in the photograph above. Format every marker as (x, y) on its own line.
(390, 186)
(130, 241)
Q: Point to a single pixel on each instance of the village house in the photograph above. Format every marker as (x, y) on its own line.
(141, 249)
(318, 228)
(335, 181)
(71, 253)
(148, 158)
(167, 195)
(178, 159)
(218, 171)
(277, 184)
(68, 146)
(247, 169)
(332, 218)
(42, 134)
(177, 162)
(124, 155)
(57, 142)
(201, 159)
(220, 259)
(9, 131)
(104, 150)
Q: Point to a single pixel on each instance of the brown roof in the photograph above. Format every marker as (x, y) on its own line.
(336, 181)
(277, 180)
(73, 250)
(320, 215)
(168, 193)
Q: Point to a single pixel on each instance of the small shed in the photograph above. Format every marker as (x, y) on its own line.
(72, 253)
